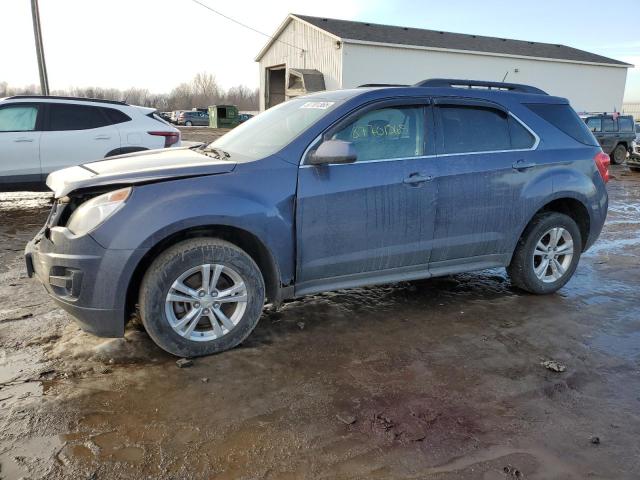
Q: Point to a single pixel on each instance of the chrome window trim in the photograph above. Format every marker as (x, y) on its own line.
(535, 145)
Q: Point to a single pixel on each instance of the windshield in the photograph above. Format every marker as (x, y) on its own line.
(273, 129)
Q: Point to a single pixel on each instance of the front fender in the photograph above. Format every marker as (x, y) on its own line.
(157, 211)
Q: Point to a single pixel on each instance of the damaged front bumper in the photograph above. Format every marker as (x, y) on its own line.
(81, 277)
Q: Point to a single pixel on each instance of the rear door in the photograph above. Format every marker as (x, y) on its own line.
(20, 125)
(482, 168)
(357, 221)
(76, 134)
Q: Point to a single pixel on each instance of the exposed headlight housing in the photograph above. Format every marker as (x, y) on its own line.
(95, 211)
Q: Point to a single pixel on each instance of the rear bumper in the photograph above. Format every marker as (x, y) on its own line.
(90, 283)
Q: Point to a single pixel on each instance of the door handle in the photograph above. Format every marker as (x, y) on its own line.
(102, 137)
(23, 140)
(417, 179)
(522, 165)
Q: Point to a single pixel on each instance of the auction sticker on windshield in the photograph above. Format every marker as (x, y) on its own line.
(318, 105)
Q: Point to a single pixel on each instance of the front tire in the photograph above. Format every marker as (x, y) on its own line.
(619, 154)
(201, 296)
(188, 124)
(547, 254)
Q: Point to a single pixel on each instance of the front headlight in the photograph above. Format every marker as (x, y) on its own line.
(95, 211)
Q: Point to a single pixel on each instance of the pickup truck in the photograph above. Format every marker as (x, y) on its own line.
(615, 133)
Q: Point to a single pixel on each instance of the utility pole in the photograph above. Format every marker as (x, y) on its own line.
(37, 32)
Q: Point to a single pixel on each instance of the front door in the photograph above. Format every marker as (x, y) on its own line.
(357, 221)
(484, 162)
(20, 144)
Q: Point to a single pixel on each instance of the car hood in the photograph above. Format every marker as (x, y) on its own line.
(135, 168)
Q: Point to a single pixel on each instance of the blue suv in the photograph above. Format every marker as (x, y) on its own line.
(328, 191)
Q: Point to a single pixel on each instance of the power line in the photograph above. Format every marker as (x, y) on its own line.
(245, 25)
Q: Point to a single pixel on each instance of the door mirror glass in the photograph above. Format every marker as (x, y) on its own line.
(333, 151)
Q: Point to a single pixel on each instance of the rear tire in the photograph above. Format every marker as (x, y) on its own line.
(547, 254)
(177, 291)
(619, 154)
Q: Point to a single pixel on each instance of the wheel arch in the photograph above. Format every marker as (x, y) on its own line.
(243, 239)
(570, 206)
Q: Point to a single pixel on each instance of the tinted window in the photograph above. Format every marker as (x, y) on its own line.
(115, 116)
(474, 129)
(521, 138)
(395, 132)
(564, 118)
(18, 118)
(75, 117)
(594, 124)
(625, 124)
(608, 124)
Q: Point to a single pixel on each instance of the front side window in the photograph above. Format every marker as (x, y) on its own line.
(594, 124)
(18, 118)
(387, 133)
(64, 117)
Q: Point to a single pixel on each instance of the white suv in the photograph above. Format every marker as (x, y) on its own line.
(41, 134)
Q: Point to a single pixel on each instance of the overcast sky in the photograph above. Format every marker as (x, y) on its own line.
(157, 44)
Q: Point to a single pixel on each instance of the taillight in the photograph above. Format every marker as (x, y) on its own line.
(602, 162)
(171, 138)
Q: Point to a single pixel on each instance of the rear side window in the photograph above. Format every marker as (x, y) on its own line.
(474, 129)
(521, 138)
(64, 117)
(115, 116)
(565, 119)
(625, 124)
(18, 118)
(608, 124)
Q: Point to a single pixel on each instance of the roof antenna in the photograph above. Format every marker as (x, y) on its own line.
(505, 76)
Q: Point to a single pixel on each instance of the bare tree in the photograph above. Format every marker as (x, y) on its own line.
(201, 92)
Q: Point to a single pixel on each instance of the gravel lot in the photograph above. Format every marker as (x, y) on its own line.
(438, 379)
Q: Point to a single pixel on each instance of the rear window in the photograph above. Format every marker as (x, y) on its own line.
(157, 118)
(564, 118)
(625, 124)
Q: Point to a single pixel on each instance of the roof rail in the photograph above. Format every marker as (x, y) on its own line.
(454, 82)
(368, 85)
(57, 97)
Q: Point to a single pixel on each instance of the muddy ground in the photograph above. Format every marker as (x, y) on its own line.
(437, 379)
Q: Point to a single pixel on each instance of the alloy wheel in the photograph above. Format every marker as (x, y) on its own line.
(553, 255)
(206, 302)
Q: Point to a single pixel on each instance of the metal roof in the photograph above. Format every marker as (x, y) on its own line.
(404, 36)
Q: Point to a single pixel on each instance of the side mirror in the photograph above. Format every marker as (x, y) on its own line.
(333, 151)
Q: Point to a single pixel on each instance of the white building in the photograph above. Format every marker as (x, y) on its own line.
(309, 54)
